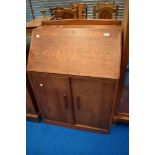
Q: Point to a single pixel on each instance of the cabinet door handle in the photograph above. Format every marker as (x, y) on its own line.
(65, 101)
(78, 102)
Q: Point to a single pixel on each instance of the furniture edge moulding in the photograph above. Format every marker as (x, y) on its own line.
(83, 22)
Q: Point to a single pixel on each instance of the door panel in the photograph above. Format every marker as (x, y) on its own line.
(92, 102)
(53, 94)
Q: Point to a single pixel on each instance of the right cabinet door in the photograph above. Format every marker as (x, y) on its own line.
(92, 102)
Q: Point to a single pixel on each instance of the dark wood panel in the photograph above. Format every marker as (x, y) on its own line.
(92, 102)
(124, 103)
(31, 105)
(122, 114)
(29, 31)
(53, 96)
(124, 60)
(30, 109)
(123, 109)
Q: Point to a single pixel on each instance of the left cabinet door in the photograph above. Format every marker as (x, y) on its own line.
(53, 96)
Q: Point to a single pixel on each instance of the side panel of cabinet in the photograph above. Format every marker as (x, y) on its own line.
(92, 102)
(53, 96)
(124, 103)
(30, 109)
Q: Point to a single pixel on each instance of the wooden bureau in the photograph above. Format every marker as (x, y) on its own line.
(74, 71)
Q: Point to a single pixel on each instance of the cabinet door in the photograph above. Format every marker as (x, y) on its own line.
(53, 96)
(92, 102)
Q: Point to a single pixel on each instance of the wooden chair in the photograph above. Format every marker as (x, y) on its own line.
(74, 11)
(52, 10)
(105, 10)
(82, 10)
(64, 13)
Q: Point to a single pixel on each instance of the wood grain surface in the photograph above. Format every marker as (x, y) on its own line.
(53, 96)
(92, 102)
(94, 52)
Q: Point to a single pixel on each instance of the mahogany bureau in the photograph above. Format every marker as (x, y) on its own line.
(73, 68)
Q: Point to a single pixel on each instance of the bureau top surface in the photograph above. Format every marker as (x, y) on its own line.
(93, 51)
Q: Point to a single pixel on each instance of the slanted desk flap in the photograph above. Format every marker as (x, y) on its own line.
(83, 51)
